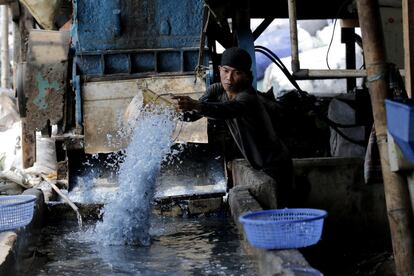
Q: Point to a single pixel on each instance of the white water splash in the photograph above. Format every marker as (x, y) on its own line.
(126, 217)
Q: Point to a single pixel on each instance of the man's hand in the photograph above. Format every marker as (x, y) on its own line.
(185, 103)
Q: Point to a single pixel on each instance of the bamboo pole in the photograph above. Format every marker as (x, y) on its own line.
(408, 31)
(399, 211)
(408, 35)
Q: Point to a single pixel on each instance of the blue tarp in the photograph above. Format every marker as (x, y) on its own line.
(278, 42)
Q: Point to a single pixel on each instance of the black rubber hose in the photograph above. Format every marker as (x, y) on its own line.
(276, 60)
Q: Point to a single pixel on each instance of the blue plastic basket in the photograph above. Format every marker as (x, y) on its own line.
(16, 211)
(400, 124)
(283, 228)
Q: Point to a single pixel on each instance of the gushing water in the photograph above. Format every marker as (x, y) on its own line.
(126, 216)
(79, 218)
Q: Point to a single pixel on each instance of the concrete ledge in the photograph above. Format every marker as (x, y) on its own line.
(247, 182)
(269, 262)
(240, 202)
(261, 186)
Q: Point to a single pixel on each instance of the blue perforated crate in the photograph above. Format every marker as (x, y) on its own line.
(283, 228)
(400, 124)
(16, 211)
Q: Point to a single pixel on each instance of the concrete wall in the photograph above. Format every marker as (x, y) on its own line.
(333, 184)
(355, 209)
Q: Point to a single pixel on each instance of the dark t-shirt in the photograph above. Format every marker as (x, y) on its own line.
(249, 124)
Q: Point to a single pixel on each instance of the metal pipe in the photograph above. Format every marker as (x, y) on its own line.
(329, 74)
(294, 45)
(348, 37)
(5, 64)
(62, 195)
(78, 106)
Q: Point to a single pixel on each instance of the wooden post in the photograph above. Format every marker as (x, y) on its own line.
(408, 32)
(22, 26)
(28, 145)
(399, 211)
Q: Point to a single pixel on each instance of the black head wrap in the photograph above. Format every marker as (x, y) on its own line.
(237, 58)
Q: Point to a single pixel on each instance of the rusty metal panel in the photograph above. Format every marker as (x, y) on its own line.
(105, 104)
(46, 75)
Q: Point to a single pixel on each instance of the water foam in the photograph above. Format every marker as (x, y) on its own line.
(126, 216)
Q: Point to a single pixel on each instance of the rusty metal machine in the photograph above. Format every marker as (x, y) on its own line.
(81, 80)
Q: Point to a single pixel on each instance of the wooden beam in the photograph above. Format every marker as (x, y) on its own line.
(220, 33)
(262, 27)
(408, 33)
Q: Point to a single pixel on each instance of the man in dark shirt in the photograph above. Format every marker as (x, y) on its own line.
(235, 101)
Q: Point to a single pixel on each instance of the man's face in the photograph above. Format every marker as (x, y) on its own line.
(233, 80)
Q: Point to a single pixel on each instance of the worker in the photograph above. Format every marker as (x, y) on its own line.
(235, 101)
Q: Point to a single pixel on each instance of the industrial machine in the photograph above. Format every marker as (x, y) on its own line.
(82, 78)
